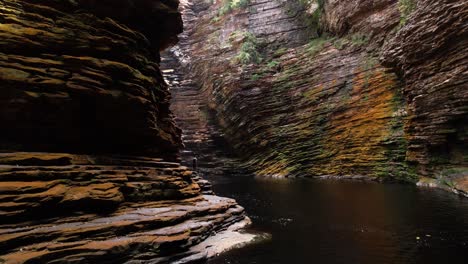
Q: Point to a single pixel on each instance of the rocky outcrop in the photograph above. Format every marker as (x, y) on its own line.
(280, 22)
(59, 208)
(50, 183)
(84, 81)
(374, 18)
(433, 60)
(341, 103)
(87, 135)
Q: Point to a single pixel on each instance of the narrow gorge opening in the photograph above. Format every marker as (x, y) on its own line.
(233, 131)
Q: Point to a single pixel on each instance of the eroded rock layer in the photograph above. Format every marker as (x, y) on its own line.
(86, 138)
(202, 137)
(75, 80)
(58, 208)
(433, 60)
(373, 88)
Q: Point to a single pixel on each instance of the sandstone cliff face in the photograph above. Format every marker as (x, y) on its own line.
(340, 99)
(86, 135)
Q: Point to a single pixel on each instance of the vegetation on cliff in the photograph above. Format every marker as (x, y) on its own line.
(320, 102)
(405, 7)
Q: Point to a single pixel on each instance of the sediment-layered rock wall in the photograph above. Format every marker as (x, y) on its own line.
(347, 99)
(430, 53)
(202, 137)
(76, 78)
(67, 208)
(86, 135)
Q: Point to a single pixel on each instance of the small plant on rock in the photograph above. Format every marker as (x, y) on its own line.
(405, 7)
(273, 64)
(255, 77)
(229, 5)
(314, 10)
(340, 43)
(240, 3)
(445, 180)
(279, 52)
(248, 51)
(359, 39)
(316, 45)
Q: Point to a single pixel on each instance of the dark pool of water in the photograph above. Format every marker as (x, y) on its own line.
(314, 221)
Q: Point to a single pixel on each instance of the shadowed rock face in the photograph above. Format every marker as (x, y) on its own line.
(380, 93)
(159, 21)
(433, 60)
(82, 81)
(85, 138)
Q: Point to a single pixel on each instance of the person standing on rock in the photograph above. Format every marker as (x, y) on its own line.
(194, 163)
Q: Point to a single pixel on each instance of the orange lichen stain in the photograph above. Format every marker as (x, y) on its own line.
(314, 93)
(356, 133)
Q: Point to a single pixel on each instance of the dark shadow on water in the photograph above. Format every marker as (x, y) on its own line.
(320, 221)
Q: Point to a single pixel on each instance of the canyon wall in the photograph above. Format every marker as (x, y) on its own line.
(336, 88)
(87, 134)
(80, 81)
(431, 54)
(202, 137)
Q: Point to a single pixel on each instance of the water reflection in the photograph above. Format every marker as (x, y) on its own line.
(348, 222)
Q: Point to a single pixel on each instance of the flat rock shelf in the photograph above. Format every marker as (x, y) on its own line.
(58, 208)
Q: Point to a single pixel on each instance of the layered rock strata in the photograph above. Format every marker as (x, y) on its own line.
(76, 78)
(432, 58)
(86, 138)
(377, 89)
(58, 208)
(202, 137)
